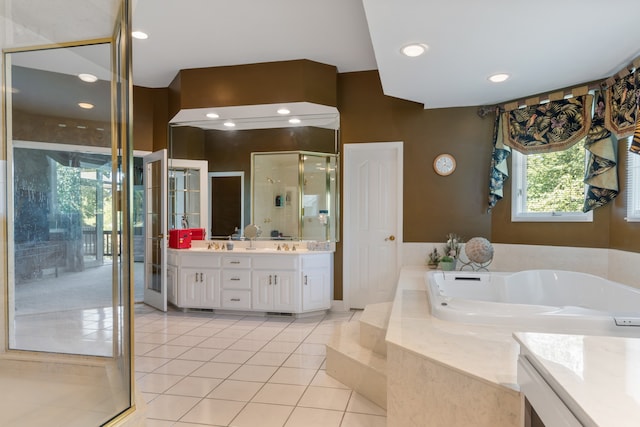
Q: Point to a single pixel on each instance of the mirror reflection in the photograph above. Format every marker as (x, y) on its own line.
(229, 153)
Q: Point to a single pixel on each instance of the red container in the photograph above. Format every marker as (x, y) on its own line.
(197, 233)
(180, 239)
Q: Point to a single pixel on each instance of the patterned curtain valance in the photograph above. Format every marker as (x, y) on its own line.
(548, 127)
(601, 174)
(635, 143)
(622, 105)
(499, 171)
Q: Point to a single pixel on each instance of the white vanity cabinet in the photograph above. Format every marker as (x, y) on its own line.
(250, 281)
(275, 287)
(316, 274)
(236, 282)
(198, 284)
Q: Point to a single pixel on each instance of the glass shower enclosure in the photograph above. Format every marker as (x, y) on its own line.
(294, 195)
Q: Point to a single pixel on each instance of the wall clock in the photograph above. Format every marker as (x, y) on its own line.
(444, 164)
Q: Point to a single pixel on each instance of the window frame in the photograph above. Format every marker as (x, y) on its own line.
(518, 197)
(633, 185)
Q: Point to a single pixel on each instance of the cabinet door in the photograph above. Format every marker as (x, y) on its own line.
(285, 292)
(210, 296)
(199, 288)
(172, 285)
(315, 289)
(262, 290)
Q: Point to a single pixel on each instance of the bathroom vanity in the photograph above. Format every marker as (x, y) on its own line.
(260, 280)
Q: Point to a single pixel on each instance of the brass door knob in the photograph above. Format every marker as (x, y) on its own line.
(392, 238)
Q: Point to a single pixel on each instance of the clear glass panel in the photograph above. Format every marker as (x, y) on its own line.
(184, 198)
(294, 195)
(276, 198)
(315, 206)
(68, 274)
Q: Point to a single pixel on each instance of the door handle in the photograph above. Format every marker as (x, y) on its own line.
(392, 238)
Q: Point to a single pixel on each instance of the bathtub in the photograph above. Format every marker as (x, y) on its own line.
(536, 300)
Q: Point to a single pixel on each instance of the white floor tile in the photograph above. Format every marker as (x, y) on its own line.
(179, 367)
(253, 373)
(149, 364)
(167, 351)
(280, 347)
(311, 417)
(168, 407)
(279, 394)
(312, 349)
(233, 356)
(247, 344)
(304, 361)
(296, 376)
(262, 415)
(194, 386)
(213, 412)
(159, 423)
(201, 354)
(157, 383)
(325, 398)
(268, 359)
(217, 342)
(241, 391)
(215, 370)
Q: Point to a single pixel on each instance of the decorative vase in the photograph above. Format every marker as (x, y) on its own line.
(448, 265)
(432, 265)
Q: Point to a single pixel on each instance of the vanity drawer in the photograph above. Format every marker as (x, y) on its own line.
(275, 262)
(200, 260)
(236, 262)
(236, 299)
(236, 279)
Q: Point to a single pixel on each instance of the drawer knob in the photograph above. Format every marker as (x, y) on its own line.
(235, 279)
(235, 299)
(234, 262)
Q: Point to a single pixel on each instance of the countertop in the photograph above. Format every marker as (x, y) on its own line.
(597, 377)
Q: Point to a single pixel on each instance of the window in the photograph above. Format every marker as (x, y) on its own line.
(633, 186)
(549, 187)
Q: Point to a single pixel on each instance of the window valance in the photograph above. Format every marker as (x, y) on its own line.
(622, 105)
(551, 126)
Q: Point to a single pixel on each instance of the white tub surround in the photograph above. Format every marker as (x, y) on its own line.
(596, 379)
(534, 300)
(447, 374)
(619, 266)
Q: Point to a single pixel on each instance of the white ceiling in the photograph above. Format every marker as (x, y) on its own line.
(544, 45)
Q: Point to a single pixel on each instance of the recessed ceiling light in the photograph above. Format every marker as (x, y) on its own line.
(229, 124)
(85, 105)
(89, 78)
(62, 125)
(139, 35)
(283, 111)
(294, 121)
(414, 49)
(213, 115)
(81, 127)
(498, 78)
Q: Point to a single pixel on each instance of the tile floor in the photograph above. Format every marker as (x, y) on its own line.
(201, 369)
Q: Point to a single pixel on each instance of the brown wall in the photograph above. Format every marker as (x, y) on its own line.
(265, 83)
(150, 118)
(433, 205)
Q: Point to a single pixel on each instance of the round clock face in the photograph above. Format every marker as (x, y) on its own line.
(444, 164)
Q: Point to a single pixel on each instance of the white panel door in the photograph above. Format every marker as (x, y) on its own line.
(155, 260)
(372, 222)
